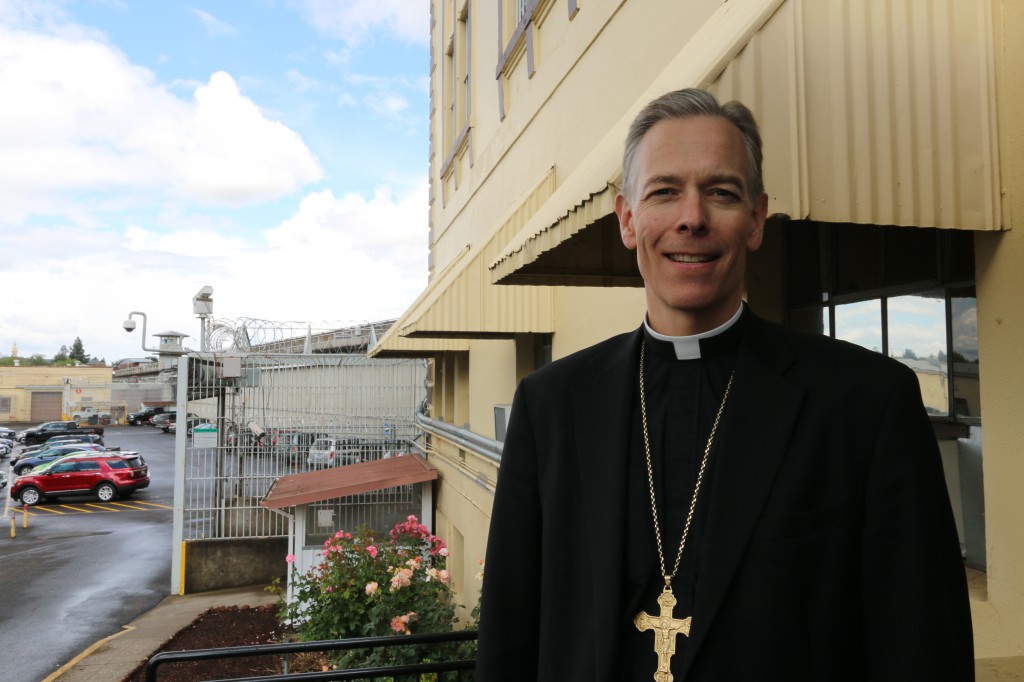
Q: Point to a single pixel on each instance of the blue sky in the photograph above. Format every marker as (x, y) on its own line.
(275, 150)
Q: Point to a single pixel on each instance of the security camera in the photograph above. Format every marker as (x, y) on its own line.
(129, 325)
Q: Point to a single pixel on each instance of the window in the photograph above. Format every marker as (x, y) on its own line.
(455, 87)
(908, 293)
(905, 292)
(5, 405)
(517, 22)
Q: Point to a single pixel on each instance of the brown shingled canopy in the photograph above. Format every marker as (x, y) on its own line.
(351, 479)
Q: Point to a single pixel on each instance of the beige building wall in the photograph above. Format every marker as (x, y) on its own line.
(873, 112)
(999, 619)
(78, 387)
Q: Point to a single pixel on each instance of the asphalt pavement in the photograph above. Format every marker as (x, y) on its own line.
(112, 658)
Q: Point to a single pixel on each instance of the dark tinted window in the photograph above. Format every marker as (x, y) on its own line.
(89, 465)
(117, 464)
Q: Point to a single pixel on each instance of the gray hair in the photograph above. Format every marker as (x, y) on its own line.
(684, 104)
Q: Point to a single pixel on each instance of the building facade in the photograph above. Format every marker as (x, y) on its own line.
(45, 393)
(895, 176)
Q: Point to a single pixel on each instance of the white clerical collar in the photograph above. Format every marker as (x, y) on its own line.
(688, 347)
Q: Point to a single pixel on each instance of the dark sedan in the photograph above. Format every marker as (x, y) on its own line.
(23, 465)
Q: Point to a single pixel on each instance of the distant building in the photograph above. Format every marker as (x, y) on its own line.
(48, 392)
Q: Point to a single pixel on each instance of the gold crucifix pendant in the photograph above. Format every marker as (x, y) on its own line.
(665, 629)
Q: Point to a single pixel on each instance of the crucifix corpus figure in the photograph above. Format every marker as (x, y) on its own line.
(665, 629)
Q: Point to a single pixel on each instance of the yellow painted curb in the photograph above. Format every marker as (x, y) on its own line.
(85, 654)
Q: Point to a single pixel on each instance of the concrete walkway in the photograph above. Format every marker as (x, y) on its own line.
(112, 658)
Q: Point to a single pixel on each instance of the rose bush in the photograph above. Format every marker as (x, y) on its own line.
(371, 586)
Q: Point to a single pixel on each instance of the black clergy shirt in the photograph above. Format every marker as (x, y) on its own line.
(682, 399)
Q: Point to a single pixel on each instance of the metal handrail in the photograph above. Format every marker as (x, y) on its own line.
(165, 657)
(485, 447)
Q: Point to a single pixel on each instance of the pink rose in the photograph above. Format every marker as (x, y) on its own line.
(371, 588)
(372, 551)
(290, 558)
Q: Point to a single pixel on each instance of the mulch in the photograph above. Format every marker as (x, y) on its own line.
(220, 627)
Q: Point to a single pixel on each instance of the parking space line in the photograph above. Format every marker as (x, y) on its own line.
(126, 506)
(153, 504)
(72, 508)
(49, 510)
(101, 507)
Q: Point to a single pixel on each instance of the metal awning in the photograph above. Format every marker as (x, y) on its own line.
(351, 479)
(460, 304)
(840, 145)
(574, 238)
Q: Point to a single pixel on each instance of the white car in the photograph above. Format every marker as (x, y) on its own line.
(332, 452)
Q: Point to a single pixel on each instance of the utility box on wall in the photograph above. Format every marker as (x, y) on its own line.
(501, 415)
(229, 367)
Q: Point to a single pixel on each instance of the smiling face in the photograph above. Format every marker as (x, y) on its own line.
(691, 222)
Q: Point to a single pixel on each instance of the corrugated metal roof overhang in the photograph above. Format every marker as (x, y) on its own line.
(351, 479)
(859, 125)
(460, 304)
(587, 197)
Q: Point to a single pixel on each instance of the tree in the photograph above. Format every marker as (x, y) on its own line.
(61, 355)
(78, 351)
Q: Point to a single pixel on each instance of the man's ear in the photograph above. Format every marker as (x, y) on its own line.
(625, 213)
(758, 217)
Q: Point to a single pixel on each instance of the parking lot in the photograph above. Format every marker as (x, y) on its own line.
(83, 568)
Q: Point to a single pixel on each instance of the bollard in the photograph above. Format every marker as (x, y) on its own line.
(24, 514)
(12, 526)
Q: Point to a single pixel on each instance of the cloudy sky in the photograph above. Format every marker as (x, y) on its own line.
(275, 150)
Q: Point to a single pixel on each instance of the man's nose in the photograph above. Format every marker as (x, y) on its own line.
(692, 213)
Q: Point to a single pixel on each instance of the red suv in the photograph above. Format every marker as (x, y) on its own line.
(105, 475)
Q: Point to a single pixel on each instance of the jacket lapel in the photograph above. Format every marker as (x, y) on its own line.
(602, 405)
(758, 425)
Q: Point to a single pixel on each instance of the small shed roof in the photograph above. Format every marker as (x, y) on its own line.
(351, 479)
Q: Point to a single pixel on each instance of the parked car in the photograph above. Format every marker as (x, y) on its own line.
(3, 480)
(105, 475)
(331, 452)
(48, 430)
(143, 416)
(159, 420)
(7, 432)
(191, 419)
(290, 445)
(22, 465)
(90, 414)
(94, 438)
(6, 447)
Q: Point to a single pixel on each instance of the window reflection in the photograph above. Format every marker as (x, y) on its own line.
(917, 338)
(966, 374)
(860, 323)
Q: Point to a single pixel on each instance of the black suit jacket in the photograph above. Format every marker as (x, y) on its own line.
(830, 551)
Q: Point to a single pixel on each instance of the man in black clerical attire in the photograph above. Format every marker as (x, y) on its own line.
(714, 496)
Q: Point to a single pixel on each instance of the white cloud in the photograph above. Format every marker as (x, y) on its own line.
(78, 116)
(355, 21)
(214, 26)
(339, 258)
(388, 105)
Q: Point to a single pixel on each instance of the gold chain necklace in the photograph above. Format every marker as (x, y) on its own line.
(664, 625)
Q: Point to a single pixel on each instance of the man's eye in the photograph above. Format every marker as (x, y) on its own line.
(661, 192)
(724, 194)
